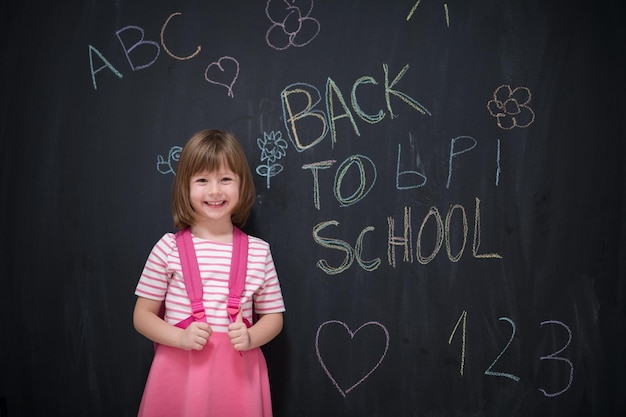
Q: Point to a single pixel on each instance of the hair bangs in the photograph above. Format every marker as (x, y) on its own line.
(209, 157)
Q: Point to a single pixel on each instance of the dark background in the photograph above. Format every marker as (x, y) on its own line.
(83, 201)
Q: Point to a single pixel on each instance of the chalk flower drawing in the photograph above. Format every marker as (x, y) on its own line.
(291, 23)
(167, 167)
(510, 107)
(273, 147)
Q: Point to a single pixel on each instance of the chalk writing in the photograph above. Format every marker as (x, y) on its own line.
(498, 168)
(167, 21)
(308, 111)
(412, 179)
(363, 189)
(341, 245)
(443, 232)
(352, 334)
(422, 179)
(136, 47)
(292, 24)
(315, 167)
(273, 147)
(455, 258)
(167, 167)
(224, 75)
(417, 3)
(477, 233)
(490, 372)
(460, 324)
(127, 51)
(406, 240)
(510, 107)
(504, 374)
(454, 153)
(367, 175)
(438, 240)
(300, 115)
(462, 318)
(106, 64)
(310, 115)
(389, 91)
(140, 43)
(553, 356)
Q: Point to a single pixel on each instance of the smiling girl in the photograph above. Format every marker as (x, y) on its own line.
(214, 367)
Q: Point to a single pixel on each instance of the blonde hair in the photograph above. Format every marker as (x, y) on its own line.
(208, 150)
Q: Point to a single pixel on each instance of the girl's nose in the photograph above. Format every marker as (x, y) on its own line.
(213, 187)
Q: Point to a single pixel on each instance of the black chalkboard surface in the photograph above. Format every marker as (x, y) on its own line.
(442, 184)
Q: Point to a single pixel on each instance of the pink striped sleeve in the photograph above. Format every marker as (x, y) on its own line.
(269, 298)
(156, 275)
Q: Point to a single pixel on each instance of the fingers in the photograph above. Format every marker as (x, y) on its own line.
(202, 325)
(239, 336)
(196, 336)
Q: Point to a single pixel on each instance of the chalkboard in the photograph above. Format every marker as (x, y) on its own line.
(442, 184)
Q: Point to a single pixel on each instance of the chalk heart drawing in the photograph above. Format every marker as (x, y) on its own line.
(223, 72)
(353, 334)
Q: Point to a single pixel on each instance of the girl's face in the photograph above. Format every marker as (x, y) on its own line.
(214, 195)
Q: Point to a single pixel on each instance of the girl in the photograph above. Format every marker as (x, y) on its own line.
(213, 368)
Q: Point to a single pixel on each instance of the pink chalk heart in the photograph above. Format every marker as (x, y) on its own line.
(357, 342)
(223, 72)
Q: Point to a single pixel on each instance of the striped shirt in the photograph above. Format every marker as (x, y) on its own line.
(162, 279)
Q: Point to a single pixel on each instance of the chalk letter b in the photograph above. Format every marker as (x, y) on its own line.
(302, 93)
(140, 42)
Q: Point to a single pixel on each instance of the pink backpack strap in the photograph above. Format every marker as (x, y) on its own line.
(238, 267)
(191, 273)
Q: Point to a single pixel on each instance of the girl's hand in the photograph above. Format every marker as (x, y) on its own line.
(195, 337)
(238, 334)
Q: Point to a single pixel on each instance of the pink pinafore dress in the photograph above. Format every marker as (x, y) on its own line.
(217, 381)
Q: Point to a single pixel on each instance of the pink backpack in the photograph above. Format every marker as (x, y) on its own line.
(193, 283)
